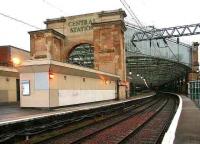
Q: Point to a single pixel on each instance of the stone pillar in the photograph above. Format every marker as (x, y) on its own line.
(193, 75)
(109, 48)
(47, 44)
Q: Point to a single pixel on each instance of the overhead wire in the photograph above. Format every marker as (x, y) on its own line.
(54, 6)
(18, 20)
(133, 15)
(26, 23)
(171, 40)
(138, 22)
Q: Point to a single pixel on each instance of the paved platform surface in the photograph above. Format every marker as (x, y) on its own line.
(188, 130)
(12, 112)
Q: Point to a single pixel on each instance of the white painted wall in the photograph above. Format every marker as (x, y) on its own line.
(39, 91)
(70, 97)
(69, 90)
(70, 85)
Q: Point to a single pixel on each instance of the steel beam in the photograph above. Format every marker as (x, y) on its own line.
(178, 31)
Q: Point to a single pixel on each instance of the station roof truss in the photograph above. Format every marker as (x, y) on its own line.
(155, 71)
(156, 61)
(178, 31)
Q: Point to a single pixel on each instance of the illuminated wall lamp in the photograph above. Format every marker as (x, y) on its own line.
(16, 61)
(107, 82)
(51, 75)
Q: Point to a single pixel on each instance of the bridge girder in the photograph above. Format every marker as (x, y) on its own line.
(177, 31)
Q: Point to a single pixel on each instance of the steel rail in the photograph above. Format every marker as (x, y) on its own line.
(118, 120)
(34, 130)
(158, 139)
(167, 123)
(83, 138)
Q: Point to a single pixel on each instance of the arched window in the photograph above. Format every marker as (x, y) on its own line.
(82, 55)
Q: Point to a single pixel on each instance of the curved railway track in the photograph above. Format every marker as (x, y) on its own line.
(140, 123)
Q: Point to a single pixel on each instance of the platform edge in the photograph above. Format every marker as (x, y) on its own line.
(170, 134)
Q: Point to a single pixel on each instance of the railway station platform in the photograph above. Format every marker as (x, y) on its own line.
(188, 129)
(12, 113)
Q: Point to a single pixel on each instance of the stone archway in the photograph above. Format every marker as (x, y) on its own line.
(106, 35)
(82, 54)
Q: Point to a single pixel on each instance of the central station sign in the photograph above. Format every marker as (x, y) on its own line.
(80, 25)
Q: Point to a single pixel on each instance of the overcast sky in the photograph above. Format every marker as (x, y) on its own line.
(160, 13)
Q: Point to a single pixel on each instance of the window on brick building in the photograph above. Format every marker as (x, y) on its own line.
(82, 55)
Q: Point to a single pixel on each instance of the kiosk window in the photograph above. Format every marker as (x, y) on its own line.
(25, 87)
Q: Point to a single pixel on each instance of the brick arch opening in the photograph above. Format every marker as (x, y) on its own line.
(72, 46)
(82, 54)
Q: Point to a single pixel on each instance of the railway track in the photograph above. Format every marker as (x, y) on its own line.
(141, 124)
(47, 127)
(152, 131)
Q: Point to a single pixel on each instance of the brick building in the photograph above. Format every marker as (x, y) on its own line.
(94, 40)
(10, 57)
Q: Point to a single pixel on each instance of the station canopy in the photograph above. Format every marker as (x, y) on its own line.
(149, 63)
(156, 62)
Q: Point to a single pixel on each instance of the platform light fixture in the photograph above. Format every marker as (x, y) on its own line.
(16, 61)
(130, 73)
(107, 82)
(146, 83)
(51, 75)
(138, 75)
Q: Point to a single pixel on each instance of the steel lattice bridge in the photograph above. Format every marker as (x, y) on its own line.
(178, 31)
(152, 59)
